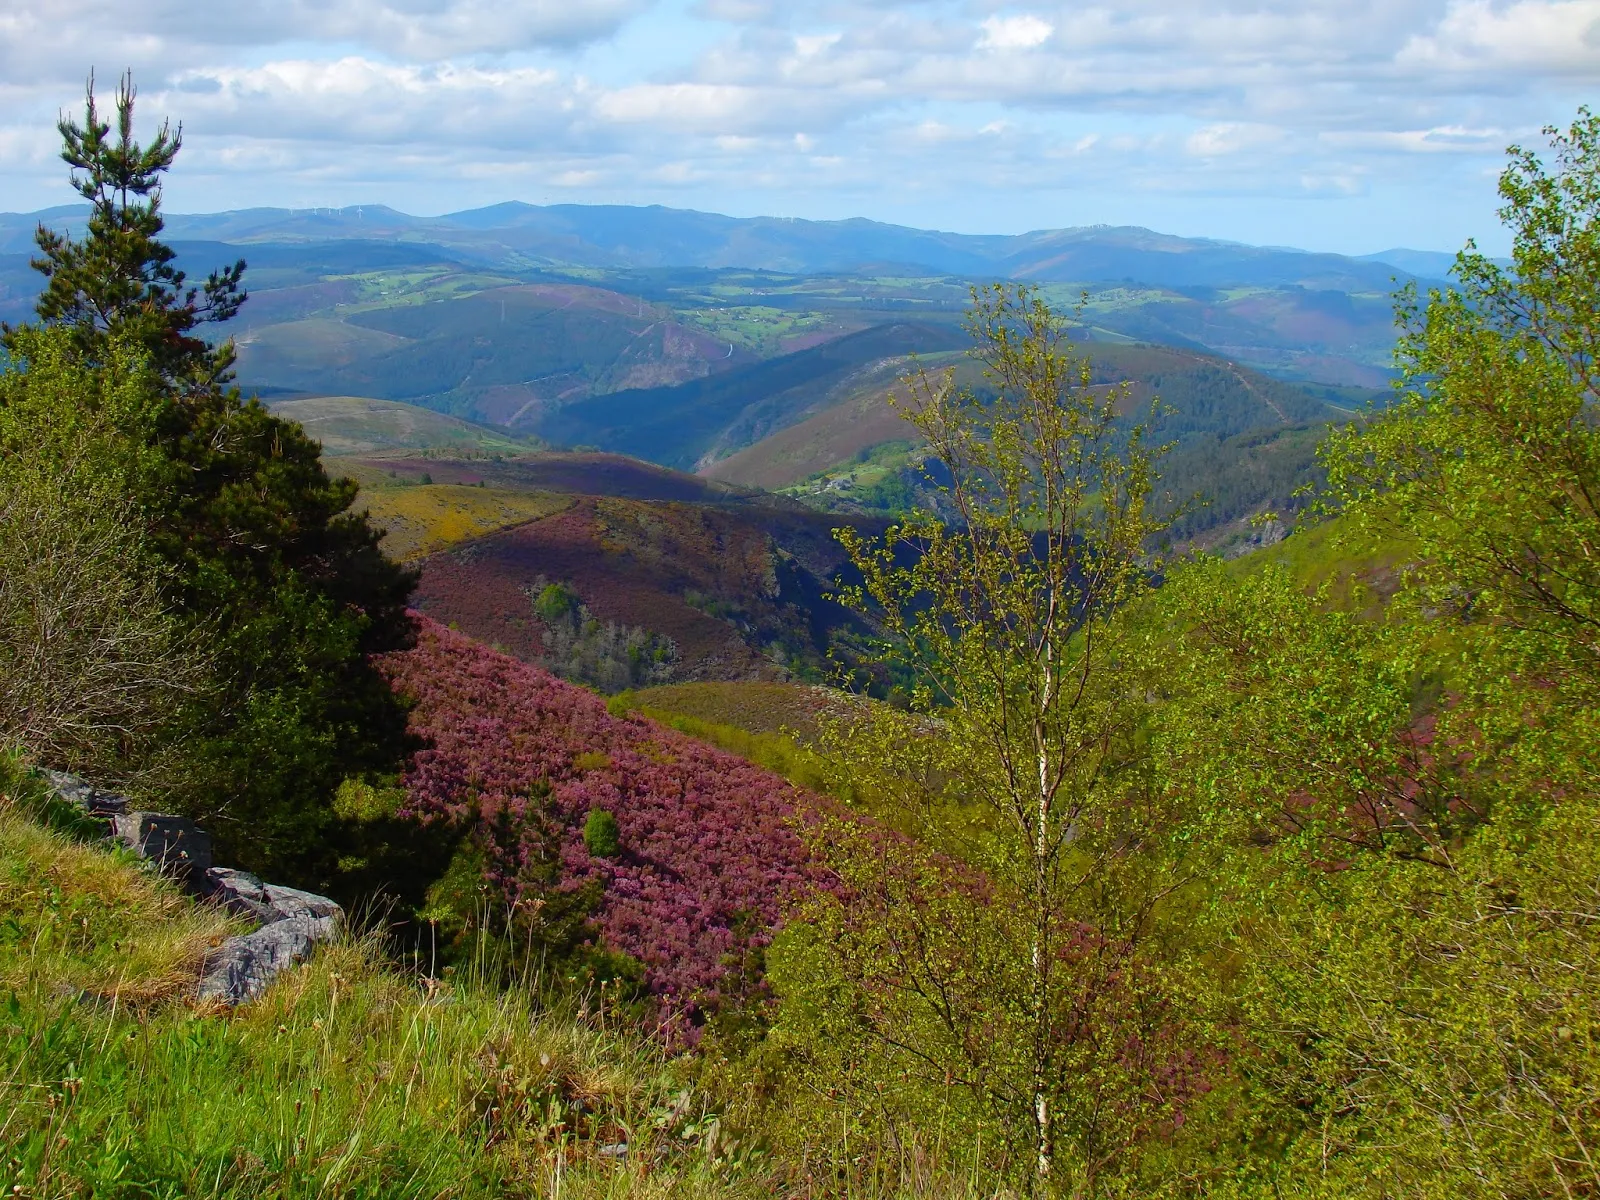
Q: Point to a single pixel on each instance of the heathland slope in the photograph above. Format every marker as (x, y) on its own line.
(720, 592)
(706, 856)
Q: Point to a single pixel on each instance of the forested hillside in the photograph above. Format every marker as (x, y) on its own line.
(1240, 443)
(707, 844)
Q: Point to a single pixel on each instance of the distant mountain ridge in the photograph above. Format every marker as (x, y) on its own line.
(629, 237)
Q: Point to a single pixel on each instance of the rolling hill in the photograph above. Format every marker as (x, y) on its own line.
(424, 519)
(581, 473)
(728, 583)
(1206, 397)
(684, 425)
(498, 355)
(1241, 442)
(347, 425)
(831, 438)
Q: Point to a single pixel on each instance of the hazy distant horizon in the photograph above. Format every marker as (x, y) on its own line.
(1490, 238)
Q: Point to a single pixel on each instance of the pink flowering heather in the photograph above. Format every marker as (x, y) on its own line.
(709, 857)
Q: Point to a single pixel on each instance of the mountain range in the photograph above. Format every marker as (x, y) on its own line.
(512, 313)
(640, 238)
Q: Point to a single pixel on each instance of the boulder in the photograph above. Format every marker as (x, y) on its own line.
(239, 892)
(289, 902)
(176, 845)
(243, 893)
(91, 801)
(243, 967)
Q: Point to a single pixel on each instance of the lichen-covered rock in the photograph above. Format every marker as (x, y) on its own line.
(176, 845)
(243, 967)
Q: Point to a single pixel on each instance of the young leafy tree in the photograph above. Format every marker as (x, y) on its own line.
(1415, 907)
(1030, 699)
(264, 551)
(94, 664)
(1408, 948)
(1489, 461)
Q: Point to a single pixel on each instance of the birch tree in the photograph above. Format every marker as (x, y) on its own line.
(1032, 696)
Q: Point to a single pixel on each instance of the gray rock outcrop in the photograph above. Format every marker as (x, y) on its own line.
(91, 801)
(240, 892)
(175, 845)
(243, 967)
(292, 923)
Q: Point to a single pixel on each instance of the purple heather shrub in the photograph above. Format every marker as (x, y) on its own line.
(711, 854)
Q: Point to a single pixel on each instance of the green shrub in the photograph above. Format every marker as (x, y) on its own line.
(601, 835)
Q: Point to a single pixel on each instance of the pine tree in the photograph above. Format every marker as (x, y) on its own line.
(120, 277)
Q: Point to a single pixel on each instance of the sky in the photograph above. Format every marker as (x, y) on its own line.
(1344, 125)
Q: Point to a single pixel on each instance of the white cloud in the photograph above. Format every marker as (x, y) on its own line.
(714, 107)
(1350, 184)
(1558, 36)
(1215, 141)
(1015, 33)
(37, 36)
(1448, 139)
(356, 99)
